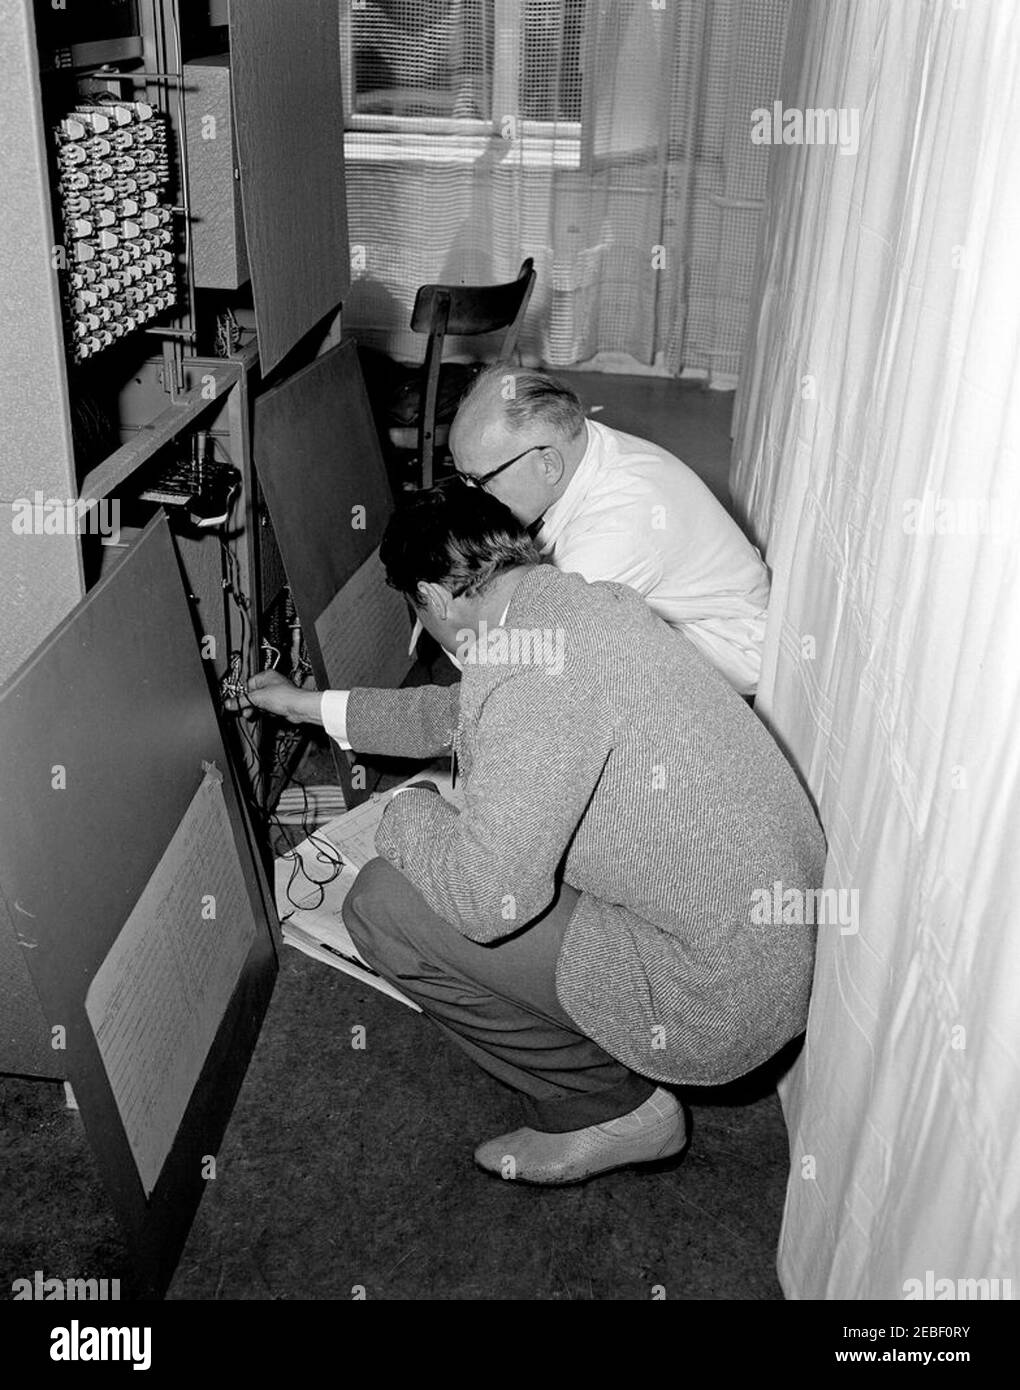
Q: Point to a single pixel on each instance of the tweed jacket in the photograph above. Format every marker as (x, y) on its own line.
(603, 747)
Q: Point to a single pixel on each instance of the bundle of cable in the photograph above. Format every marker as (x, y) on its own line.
(310, 805)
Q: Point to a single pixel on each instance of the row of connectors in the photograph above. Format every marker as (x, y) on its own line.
(114, 167)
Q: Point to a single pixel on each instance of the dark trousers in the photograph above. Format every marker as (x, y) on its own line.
(498, 1002)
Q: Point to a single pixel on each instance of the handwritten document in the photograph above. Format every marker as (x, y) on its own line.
(353, 833)
(157, 999)
(363, 632)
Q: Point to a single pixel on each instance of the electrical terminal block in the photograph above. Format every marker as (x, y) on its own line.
(114, 165)
(233, 685)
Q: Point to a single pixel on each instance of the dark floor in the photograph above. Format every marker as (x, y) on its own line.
(681, 416)
(345, 1167)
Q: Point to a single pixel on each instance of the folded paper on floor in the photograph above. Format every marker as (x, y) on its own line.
(311, 913)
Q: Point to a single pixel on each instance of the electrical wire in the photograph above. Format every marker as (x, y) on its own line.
(325, 853)
(283, 750)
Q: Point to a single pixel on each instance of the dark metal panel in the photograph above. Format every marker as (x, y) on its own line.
(24, 1037)
(318, 459)
(289, 123)
(118, 697)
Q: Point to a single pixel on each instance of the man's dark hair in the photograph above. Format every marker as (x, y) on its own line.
(454, 535)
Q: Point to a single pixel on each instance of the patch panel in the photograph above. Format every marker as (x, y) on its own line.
(113, 162)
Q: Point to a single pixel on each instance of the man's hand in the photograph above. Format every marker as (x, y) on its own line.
(276, 695)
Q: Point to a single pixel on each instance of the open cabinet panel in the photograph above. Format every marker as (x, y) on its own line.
(289, 122)
(129, 881)
(319, 462)
(320, 466)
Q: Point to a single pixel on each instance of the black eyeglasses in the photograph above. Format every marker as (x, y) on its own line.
(482, 479)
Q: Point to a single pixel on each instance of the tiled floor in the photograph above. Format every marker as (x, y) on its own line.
(345, 1167)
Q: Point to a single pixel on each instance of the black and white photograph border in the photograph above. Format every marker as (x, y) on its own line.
(506, 691)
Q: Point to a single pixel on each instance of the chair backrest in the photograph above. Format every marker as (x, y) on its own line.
(474, 309)
(463, 309)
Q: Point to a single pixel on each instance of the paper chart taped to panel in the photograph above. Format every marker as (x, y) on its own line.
(158, 998)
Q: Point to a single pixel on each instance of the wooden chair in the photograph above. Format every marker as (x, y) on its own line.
(463, 310)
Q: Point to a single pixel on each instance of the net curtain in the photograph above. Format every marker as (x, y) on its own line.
(608, 141)
(876, 462)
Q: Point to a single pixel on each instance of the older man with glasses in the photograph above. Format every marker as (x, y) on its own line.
(609, 506)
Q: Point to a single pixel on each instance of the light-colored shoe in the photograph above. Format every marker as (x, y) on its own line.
(654, 1132)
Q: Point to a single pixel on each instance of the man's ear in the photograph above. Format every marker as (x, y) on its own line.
(435, 598)
(552, 465)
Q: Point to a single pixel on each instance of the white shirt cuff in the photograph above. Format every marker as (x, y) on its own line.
(333, 708)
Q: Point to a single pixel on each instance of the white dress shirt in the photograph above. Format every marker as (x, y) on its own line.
(635, 514)
(333, 708)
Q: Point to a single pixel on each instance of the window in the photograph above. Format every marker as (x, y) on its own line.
(462, 65)
(569, 84)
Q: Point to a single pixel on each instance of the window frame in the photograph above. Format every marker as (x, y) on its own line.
(506, 73)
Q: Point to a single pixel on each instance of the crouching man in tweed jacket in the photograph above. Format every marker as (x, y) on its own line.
(585, 927)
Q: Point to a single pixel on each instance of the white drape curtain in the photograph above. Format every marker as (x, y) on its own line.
(877, 460)
(616, 155)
